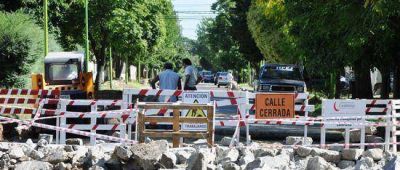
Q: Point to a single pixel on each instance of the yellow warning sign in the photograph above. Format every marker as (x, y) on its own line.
(196, 112)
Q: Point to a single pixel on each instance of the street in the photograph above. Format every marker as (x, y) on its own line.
(266, 132)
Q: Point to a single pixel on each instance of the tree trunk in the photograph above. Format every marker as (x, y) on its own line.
(118, 65)
(396, 82)
(338, 87)
(385, 83)
(363, 87)
(100, 69)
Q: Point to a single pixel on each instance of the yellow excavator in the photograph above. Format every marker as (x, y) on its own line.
(64, 71)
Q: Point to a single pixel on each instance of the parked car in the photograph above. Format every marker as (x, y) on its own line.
(216, 78)
(224, 78)
(207, 76)
(280, 78)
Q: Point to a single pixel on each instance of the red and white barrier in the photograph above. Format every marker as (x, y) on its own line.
(381, 110)
(120, 114)
(241, 99)
(93, 115)
(395, 106)
(22, 92)
(10, 99)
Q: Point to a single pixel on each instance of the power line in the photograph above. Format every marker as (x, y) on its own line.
(197, 11)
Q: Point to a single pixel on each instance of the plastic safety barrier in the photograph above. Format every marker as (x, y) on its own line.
(125, 117)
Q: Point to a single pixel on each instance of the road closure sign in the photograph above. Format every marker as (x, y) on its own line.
(274, 105)
(195, 97)
(342, 114)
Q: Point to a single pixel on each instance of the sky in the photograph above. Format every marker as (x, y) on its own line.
(190, 13)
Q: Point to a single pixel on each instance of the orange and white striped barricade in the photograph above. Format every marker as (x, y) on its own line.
(125, 116)
(26, 101)
(381, 108)
(395, 112)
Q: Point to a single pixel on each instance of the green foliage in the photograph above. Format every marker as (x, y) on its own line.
(216, 45)
(144, 31)
(137, 26)
(225, 42)
(20, 47)
(327, 36)
(269, 30)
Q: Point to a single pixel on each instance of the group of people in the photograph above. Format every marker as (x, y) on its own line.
(170, 80)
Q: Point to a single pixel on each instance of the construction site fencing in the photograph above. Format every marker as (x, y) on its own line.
(242, 100)
(24, 101)
(381, 113)
(123, 118)
(30, 104)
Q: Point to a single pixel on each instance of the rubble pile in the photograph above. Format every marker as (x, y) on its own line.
(159, 155)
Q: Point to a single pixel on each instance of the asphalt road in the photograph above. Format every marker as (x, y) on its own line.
(266, 132)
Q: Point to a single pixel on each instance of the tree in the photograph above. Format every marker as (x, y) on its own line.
(21, 43)
(237, 10)
(135, 29)
(326, 37)
(215, 45)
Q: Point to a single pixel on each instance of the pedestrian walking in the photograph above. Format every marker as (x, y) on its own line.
(191, 75)
(168, 80)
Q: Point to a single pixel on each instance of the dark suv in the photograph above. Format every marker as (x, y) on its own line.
(280, 78)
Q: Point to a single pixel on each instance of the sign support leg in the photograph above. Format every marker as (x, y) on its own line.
(323, 130)
(362, 140)
(347, 138)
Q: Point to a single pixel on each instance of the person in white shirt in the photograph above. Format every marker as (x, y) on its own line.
(169, 80)
(191, 75)
(229, 77)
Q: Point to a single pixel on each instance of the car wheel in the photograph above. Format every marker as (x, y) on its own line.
(219, 85)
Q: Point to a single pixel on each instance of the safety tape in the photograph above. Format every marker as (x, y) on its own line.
(73, 131)
(281, 146)
(310, 108)
(41, 118)
(176, 93)
(51, 112)
(86, 102)
(29, 92)
(297, 96)
(376, 117)
(111, 127)
(308, 123)
(13, 100)
(300, 108)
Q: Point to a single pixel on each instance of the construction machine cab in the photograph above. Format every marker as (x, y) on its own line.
(63, 67)
(65, 71)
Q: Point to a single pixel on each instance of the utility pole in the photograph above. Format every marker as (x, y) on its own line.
(111, 69)
(86, 36)
(126, 70)
(139, 70)
(46, 29)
